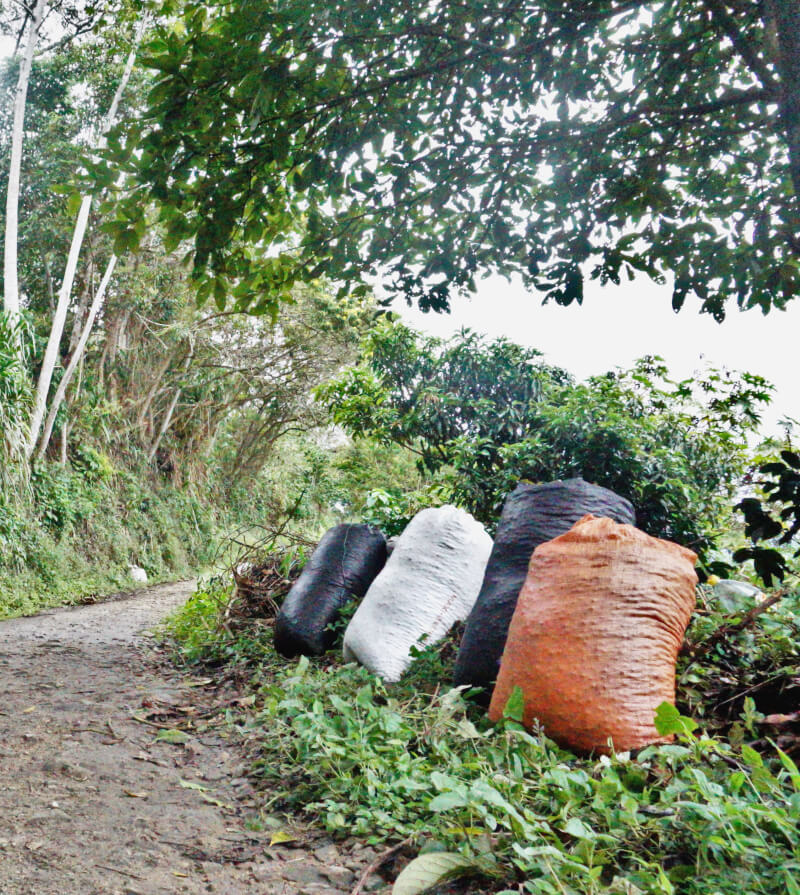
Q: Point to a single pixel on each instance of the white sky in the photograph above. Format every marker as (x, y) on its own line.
(618, 324)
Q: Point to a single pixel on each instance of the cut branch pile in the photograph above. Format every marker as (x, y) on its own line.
(261, 586)
(263, 574)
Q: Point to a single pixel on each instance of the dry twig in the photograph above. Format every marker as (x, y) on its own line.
(379, 862)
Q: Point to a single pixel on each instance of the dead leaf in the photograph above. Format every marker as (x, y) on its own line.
(280, 836)
(190, 784)
(777, 720)
(173, 736)
(135, 795)
(216, 802)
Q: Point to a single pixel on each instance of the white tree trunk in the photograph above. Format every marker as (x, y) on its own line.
(79, 314)
(60, 316)
(77, 354)
(10, 269)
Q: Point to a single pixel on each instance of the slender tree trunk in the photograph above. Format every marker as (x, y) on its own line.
(48, 274)
(10, 266)
(162, 429)
(60, 316)
(152, 391)
(80, 311)
(77, 354)
(64, 443)
(784, 16)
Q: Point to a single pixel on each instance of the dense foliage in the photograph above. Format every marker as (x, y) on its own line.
(776, 518)
(444, 140)
(161, 417)
(485, 415)
(711, 814)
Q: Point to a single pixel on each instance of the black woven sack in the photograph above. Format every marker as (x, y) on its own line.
(532, 514)
(346, 561)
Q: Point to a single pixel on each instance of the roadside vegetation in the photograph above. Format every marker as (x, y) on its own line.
(417, 764)
(194, 374)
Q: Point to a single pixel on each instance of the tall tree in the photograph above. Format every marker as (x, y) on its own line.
(78, 234)
(31, 23)
(438, 141)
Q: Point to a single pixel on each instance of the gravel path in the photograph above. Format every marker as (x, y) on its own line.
(92, 802)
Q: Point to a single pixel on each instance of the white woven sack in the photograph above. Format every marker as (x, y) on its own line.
(430, 582)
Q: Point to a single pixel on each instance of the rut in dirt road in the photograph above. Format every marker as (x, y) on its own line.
(92, 802)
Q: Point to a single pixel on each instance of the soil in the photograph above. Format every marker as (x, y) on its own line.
(95, 798)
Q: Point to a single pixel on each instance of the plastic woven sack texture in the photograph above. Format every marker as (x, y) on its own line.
(532, 514)
(596, 633)
(429, 583)
(343, 566)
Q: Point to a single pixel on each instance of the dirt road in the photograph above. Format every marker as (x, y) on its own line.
(92, 801)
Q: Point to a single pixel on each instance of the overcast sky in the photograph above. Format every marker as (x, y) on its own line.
(617, 324)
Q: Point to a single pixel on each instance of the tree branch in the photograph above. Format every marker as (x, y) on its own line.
(725, 22)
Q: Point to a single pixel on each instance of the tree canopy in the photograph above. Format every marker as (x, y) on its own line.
(432, 143)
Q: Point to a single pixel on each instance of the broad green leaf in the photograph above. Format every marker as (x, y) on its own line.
(751, 757)
(173, 736)
(668, 721)
(446, 801)
(427, 871)
(577, 828)
(515, 706)
(791, 767)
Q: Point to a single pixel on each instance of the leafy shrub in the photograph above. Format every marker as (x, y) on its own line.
(392, 511)
(696, 818)
(481, 416)
(759, 663)
(776, 519)
(15, 397)
(195, 626)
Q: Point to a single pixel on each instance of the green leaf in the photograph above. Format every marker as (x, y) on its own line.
(446, 801)
(668, 721)
(751, 757)
(576, 827)
(791, 767)
(515, 707)
(172, 736)
(74, 203)
(427, 871)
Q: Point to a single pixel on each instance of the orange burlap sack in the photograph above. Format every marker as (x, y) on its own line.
(595, 635)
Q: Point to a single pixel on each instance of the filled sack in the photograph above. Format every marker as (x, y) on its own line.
(532, 514)
(430, 582)
(595, 635)
(343, 566)
(736, 596)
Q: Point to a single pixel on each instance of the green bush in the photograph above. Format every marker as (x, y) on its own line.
(483, 415)
(701, 817)
(86, 522)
